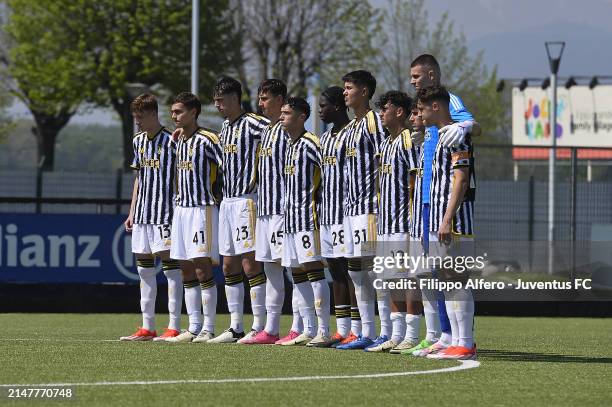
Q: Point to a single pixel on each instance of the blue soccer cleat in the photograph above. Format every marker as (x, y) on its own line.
(359, 343)
(377, 342)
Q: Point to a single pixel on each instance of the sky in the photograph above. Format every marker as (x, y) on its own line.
(511, 34)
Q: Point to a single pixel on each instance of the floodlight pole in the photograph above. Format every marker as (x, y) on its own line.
(195, 45)
(554, 61)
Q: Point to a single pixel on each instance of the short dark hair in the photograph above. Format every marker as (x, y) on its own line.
(427, 61)
(434, 94)
(335, 95)
(190, 101)
(145, 102)
(397, 98)
(275, 87)
(227, 86)
(299, 104)
(362, 78)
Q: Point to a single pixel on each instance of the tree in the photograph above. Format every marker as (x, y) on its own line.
(148, 41)
(295, 40)
(466, 75)
(42, 71)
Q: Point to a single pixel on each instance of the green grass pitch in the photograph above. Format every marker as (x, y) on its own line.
(524, 362)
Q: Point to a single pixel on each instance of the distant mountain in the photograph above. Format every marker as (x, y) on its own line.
(519, 54)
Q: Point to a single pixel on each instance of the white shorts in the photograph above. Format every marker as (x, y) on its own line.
(333, 241)
(360, 235)
(147, 239)
(391, 245)
(237, 225)
(460, 246)
(269, 231)
(193, 231)
(300, 248)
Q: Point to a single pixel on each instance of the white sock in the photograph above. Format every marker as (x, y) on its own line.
(343, 319)
(413, 325)
(175, 297)
(258, 301)
(148, 292)
(355, 321)
(398, 320)
(366, 300)
(432, 319)
(384, 312)
(209, 304)
(275, 295)
(307, 310)
(234, 292)
(451, 306)
(320, 288)
(464, 314)
(193, 303)
(296, 324)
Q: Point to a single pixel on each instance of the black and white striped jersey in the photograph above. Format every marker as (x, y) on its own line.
(155, 160)
(446, 161)
(302, 180)
(398, 158)
(240, 142)
(333, 161)
(198, 160)
(271, 183)
(363, 149)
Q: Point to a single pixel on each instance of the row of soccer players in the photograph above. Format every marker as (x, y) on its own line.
(292, 200)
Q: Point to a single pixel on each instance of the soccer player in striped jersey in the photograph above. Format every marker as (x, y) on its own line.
(269, 228)
(194, 228)
(332, 109)
(398, 158)
(240, 135)
(425, 72)
(365, 136)
(451, 218)
(301, 245)
(150, 217)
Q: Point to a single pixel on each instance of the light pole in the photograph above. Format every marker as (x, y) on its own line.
(554, 51)
(195, 45)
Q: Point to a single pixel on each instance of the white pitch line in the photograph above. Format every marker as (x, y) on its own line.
(465, 364)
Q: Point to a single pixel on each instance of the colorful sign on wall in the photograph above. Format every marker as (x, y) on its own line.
(584, 116)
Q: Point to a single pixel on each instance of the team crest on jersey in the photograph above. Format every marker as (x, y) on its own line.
(235, 135)
(247, 245)
(309, 253)
(296, 156)
(190, 152)
(159, 150)
(338, 145)
(141, 151)
(274, 138)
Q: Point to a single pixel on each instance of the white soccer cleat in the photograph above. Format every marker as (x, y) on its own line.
(403, 345)
(321, 341)
(203, 337)
(184, 337)
(383, 347)
(249, 336)
(301, 340)
(228, 336)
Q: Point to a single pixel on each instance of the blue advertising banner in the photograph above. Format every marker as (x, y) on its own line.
(65, 249)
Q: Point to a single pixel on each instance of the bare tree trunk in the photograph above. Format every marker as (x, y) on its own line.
(46, 130)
